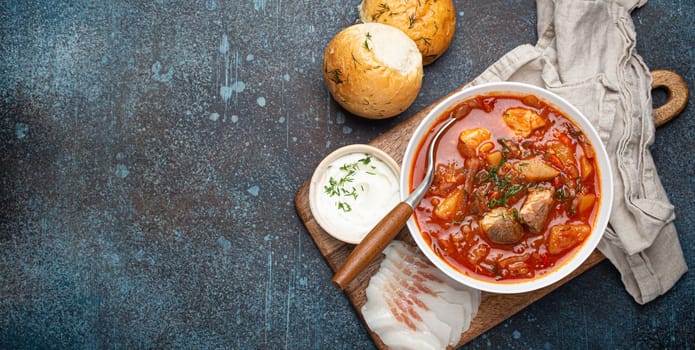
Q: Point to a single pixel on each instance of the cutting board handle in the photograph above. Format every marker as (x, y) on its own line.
(677, 91)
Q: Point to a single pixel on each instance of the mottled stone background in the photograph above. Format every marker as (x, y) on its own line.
(150, 152)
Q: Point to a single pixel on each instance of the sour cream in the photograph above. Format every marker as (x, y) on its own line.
(352, 190)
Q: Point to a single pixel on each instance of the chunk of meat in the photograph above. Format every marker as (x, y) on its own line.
(535, 209)
(501, 226)
(563, 237)
(523, 121)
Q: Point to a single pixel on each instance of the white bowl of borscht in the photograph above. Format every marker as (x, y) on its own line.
(522, 188)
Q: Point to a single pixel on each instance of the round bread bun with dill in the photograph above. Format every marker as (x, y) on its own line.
(373, 70)
(431, 24)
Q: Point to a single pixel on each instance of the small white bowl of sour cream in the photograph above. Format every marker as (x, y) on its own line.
(352, 189)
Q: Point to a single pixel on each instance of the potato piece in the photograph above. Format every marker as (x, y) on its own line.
(474, 137)
(446, 210)
(587, 168)
(522, 121)
(494, 158)
(562, 151)
(586, 201)
(536, 170)
(563, 237)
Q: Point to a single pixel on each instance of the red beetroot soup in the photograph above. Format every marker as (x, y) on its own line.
(516, 188)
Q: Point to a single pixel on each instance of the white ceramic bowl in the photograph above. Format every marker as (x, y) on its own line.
(606, 186)
(377, 192)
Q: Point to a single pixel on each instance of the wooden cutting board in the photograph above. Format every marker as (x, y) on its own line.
(494, 308)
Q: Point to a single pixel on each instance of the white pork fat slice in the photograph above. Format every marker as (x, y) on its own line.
(413, 305)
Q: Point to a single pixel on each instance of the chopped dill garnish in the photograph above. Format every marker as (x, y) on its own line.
(411, 20)
(339, 187)
(383, 8)
(335, 76)
(344, 206)
(366, 42)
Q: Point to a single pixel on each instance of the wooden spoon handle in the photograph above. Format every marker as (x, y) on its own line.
(677, 91)
(373, 244)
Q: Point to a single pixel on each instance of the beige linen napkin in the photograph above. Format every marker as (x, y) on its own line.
(586, 54)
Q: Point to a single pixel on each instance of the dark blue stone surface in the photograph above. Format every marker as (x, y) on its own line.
(150, 152)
